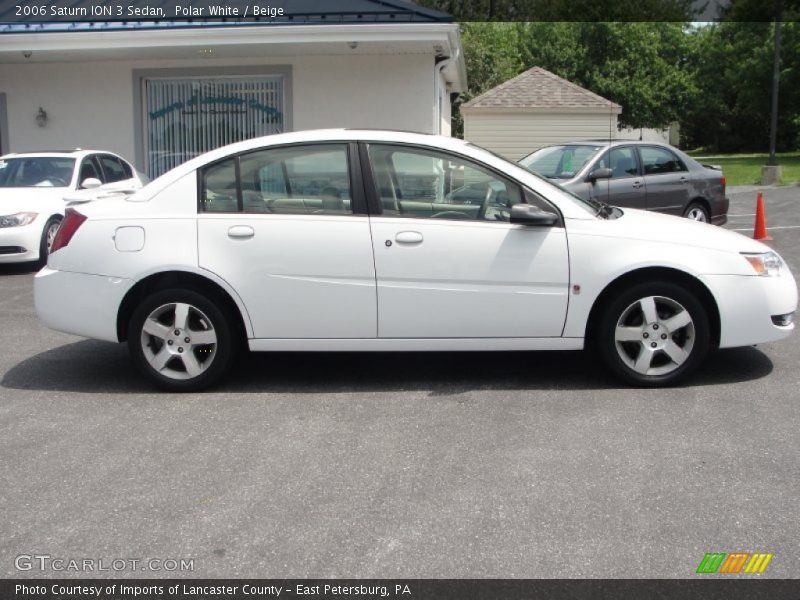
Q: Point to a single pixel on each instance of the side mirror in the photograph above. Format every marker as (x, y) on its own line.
(90, 183)
(527, 214)
(600, 174)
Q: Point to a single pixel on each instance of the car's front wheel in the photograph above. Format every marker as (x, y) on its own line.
(654, 334)
(181, 340)
(48, 235)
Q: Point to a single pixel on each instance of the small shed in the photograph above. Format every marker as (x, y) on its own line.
(536, 109)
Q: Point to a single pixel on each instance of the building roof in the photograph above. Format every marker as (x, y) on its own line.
(538, 88)
(298, 12)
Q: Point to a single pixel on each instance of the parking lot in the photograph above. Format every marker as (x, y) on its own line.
(400, 465)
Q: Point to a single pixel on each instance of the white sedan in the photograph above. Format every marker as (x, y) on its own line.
(35, 188)
(373, 240)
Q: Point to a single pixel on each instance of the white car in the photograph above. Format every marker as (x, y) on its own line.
(35, 188)
(375, 240)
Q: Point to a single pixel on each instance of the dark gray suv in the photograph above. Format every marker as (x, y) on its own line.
(645, 175)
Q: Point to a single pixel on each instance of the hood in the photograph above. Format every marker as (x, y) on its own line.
(31, 199)
(657, 227)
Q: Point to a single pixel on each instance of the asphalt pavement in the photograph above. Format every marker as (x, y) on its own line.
(398, 465)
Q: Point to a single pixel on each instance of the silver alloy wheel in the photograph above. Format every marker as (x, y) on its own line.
(654, 335)
(50, 235)
(697, 214)
(178, 340)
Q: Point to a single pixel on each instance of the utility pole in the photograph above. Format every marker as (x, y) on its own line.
(771, 173)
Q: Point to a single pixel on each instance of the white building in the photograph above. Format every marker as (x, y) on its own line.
(537, 109)
(160, 93)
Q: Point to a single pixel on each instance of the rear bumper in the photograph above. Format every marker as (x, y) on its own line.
(719, 219)
(719, 210)
(85, 305)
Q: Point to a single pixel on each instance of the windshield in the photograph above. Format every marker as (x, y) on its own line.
(36, 171)
(560, 162)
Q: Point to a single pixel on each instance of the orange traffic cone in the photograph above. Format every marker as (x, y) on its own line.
(760, 230)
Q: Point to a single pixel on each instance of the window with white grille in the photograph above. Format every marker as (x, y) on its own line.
(185, 117)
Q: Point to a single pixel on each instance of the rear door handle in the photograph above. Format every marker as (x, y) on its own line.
(241, 232)
(684, 180)
(637, 185)
(408, 237)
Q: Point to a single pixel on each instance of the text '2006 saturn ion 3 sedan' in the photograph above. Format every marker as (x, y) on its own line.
(374, 240)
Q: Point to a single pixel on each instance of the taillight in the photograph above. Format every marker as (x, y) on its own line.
(722, 182)
(72, 221)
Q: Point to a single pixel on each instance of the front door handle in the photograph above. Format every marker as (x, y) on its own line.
(637, 185)
(241, 232)
(408, 237)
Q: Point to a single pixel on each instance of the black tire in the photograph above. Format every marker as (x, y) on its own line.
(48, 233)
(645, 358)
(696, 211)
(204, 320)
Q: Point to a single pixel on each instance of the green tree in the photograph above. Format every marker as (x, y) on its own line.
(641, 66)
(732, 65)
(492, 56)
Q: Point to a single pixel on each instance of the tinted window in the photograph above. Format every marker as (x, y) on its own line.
(657, 160)
(415, 182)
(560, 162)
(313, 179)
(89, 169)
(126, 168)
(218, 191)
(621, 161)
(46, 171)
(112, 168)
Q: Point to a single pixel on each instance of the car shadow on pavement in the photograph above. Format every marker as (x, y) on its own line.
(19, 268)
(101, 367)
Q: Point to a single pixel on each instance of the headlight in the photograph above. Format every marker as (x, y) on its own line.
(18, 219)
(765, 263)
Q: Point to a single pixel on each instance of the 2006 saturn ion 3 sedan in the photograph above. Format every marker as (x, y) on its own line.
(375, 240)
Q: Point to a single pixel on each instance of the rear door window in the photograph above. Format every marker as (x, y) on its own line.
(305, 179)
(657, 160)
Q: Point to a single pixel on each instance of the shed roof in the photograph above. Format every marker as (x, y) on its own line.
(538, 88)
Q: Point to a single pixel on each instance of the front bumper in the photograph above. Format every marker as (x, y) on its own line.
(85, 305)
(20, 244)
(747, 305)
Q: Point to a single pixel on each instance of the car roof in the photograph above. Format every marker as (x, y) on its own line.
(614, 142)
(322, 135)
(76, 153)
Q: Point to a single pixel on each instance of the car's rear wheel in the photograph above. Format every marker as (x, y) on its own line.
(48, 235)
(654, 334)
(697, 212)
(181, 340)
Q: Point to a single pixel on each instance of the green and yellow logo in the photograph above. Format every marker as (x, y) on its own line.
(720, 562)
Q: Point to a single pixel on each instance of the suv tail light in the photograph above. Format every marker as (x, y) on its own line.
(72, 221)
(722, 182)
